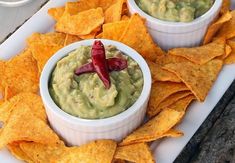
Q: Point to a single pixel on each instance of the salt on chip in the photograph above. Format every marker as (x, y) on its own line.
(82, 23)
(56, 13)
(114, 12)
(53, 38)
(214, 28)
(95, 151)
(202, 54)
(25, 126)
(42, 153)
(139, 153)
(160, 91)
(230, 59)
(20, 75)
(15, 150)
(159, 74)
(137, 37)
(155, 128)
(227, 30)
(113, 31)
(69, 39)
(42, 52)
(171, 100)
(198, 78)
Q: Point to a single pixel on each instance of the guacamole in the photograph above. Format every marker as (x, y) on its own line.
(85, 96)
(175, 10)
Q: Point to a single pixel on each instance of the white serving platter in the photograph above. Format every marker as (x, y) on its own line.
(165, 150)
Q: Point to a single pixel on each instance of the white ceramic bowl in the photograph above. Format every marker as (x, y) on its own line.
(177, 34)
(77, 131)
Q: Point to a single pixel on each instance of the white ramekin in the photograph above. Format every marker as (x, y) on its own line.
(177, 34)
(77, 131)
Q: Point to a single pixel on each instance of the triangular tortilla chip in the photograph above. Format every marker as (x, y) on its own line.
(16, 151)
(225, 6)
(82, 23)
(166, 59)
(69, 39)
(114, 12)
(139, 153)
(92, 34)
(155, 128)
(198, 78)
(230, 59)
(113, 31)
(96, 151)
(182, 104)
(24, 126)
(160, 91)
(214, 28)
(159, 74)
(202, 54)
(56, 13)
(137, 37)
(227, 31)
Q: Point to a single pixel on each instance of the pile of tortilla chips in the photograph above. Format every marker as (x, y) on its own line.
(180, 76)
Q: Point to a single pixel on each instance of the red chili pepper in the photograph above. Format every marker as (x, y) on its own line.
(100, 63)
(114, 64)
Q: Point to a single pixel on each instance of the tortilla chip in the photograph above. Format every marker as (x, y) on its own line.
(42, 153)
(20, 75)
(113, 31)
(182, 104)
(31, 100)
(42, 53)
(91, 35)
(225, 6)
(69, 39)
(173, 133)
(125, 10)
(105, 4)
(125, 17)
(96, 151)
(118, 161)
(202, 54)
(139, 153)
(155, 128)
(161, 91)
(56, 13)
(230, 59)
(24, 126)
(159, 74)
(16, 151)
(137, 37)
(53, 38)
(227, 30)
(114, 12)
(82, 23)
(166, 59)
(99, 36)
(198, 78)
(171, 100)
(2, 71)
(214, 28)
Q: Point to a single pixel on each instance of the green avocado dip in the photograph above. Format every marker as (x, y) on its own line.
(85, 96)
(175, 10)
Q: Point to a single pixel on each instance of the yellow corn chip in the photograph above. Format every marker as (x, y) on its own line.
(82, 23)
(113, 31)
(182, 104)
(227, 30)
(91, 35)
(214, 28)
(225, 6)
(20, 75)
(166, 59)
(105, 4)
(42, 153)
(230, 59)
(159, 74)
(125, 17)
(15, 150)
(171, 100)
(24, 126)
(228, 51)
(114, 12)
(200, 55)
(53, 38)
(155, 128)
(69, 39)
(96, 151)
(161, 91)
(198, 78)
(56, 13)
(137, 37)
(139, 153)
(42, 52)
(173, 133)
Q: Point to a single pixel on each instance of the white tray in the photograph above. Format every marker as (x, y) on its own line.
(166, 150)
